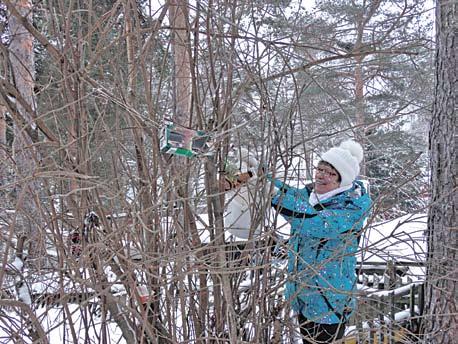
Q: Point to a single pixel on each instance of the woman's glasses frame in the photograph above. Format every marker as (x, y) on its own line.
(326, 172)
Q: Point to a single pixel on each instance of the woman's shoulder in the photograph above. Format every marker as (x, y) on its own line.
(353, 196)
(307, 189)
(358, 194)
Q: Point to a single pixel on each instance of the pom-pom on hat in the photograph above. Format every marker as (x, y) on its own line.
(345, 159)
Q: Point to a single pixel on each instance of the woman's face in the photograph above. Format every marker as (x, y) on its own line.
(326, 178)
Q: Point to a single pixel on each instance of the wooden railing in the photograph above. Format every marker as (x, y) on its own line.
(390, 304)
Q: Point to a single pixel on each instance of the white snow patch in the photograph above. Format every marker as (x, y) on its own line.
(16, 265)
(402, 240)
(24, 295)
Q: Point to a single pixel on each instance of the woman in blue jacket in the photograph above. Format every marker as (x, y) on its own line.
(326, 218)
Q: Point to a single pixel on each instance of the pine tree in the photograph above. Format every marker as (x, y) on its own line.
(442, 293)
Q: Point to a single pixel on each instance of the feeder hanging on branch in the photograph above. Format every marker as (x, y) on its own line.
(182, 141)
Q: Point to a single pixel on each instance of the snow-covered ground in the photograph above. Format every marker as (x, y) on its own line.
(401, 240)
(57, 327)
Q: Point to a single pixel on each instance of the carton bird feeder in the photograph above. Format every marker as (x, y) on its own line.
(183, 141)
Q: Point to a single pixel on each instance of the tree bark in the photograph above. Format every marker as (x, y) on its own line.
(144, 180)
(3, 153)
(182, 87)
(25, 153)
(182, 62)
(442, 275)
(2, 134)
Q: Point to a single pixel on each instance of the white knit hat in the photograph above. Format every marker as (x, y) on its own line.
(345, 159)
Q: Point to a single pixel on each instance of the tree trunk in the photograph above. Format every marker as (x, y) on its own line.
(2, 133)
(182, 61)
(25, 154)
(360, 106)
(442, 276)
(362, 21)
(3, 153)
(22, 64)
(144, 180)
(179, 19)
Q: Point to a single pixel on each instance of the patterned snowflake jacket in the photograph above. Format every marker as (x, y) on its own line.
(324, 239)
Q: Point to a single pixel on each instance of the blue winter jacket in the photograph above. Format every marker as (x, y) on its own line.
(322, 246)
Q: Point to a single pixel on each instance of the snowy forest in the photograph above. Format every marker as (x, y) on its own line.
(123, 121)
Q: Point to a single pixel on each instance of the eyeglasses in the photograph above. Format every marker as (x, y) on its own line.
(325, 172)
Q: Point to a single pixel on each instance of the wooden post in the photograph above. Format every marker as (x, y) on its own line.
(413, 319)
(391, 329)
(371, 332)
(381, 336)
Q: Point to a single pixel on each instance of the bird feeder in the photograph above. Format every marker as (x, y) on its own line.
(182, 141)
(144, 294)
